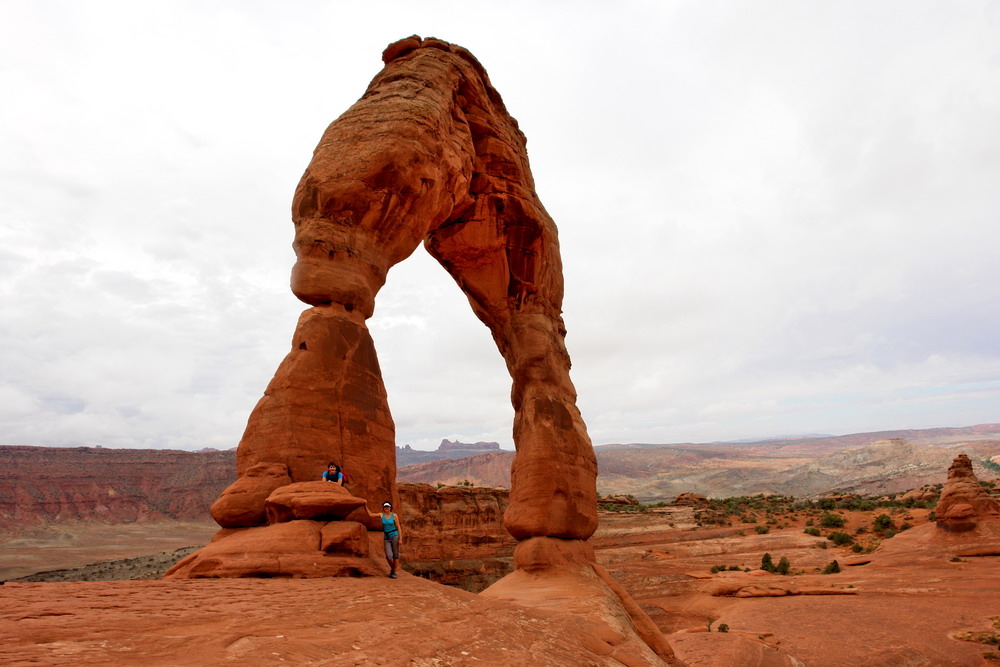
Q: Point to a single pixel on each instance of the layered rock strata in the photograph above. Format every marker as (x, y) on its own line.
(455, 534)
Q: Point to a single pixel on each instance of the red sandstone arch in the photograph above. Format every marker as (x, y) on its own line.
(428, 155)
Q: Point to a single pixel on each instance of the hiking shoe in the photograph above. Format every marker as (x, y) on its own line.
(392, 575)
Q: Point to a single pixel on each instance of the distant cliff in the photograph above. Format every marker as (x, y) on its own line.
(55, 484)
(489, 469)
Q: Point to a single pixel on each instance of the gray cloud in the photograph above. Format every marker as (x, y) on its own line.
(774, 217)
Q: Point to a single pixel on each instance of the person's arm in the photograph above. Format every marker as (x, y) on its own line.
(324, 476)
(340, 478)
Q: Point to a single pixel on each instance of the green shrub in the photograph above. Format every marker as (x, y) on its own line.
(882, 523)
(783, 566)
(840, 538)
(718, 568)
(812, 531)
(766, 563)
(832, 568)
(857, 548)
(723, 627)
(762, 530)
(831, 520)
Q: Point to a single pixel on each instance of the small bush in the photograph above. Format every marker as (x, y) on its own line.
(718, 568)
(766, 563)
(783, 566)
(840, 538)
(857, 548)
(832, 568)
(734, 568)
(831, 520)
(882, 523)
(762, 530)
(723, 627)
(812, 531)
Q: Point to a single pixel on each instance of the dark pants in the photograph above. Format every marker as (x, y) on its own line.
(392, 547)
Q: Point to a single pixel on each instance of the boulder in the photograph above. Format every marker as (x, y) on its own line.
(321, 501)
(241, 505)
(344, 537)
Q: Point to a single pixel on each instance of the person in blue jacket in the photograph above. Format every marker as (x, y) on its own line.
(333, 474)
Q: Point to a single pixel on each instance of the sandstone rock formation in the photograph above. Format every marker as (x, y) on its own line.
(428, 155)
(964, 502)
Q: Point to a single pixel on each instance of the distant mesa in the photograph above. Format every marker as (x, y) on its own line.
(450, 446)
(447, 450)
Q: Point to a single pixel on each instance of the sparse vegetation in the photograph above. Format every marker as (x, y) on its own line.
(830, 520)
(980, 637)
(833, 567)
(762, 530)
(812, 531)
(723, 627)
(783, 566)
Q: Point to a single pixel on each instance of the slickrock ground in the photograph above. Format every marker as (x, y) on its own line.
(343, 621)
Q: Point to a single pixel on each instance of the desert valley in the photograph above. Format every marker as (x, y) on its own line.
(860, 571)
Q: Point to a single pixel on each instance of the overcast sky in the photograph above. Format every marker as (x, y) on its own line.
(775, 217)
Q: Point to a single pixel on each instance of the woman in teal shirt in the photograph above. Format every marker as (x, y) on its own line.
(391, 535)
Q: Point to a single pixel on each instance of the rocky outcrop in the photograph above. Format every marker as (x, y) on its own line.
(57, 484)
(455, 534)
(308, 535)
(618, 500)
(690, 499)
(964, 502)
(923, 493)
